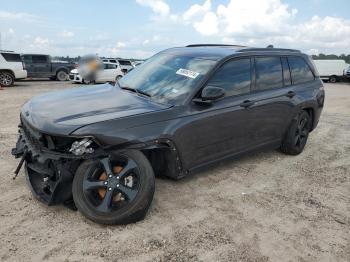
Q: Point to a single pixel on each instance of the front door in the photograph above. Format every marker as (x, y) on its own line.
(225, 126)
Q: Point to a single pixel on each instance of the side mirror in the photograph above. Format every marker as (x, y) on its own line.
(210, 94)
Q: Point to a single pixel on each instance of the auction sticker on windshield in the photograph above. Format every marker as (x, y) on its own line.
(188, 73)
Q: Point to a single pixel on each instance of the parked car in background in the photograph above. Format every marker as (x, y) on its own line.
(347, 73)
(178, 112)
(11, 68)
(42, 66)
(109, 72)
(125, 64)
(331, 70)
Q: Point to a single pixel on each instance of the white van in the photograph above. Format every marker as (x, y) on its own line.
(331, 70)
(11, 68)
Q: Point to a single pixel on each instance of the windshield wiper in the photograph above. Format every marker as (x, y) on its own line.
(134, 90)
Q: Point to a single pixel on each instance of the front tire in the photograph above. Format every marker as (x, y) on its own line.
(6, 79)
(297, 135)
(115, 190)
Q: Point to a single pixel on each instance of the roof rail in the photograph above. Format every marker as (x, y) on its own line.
(272, 49)
(203, 45)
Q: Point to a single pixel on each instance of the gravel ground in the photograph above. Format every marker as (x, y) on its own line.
(263, 207)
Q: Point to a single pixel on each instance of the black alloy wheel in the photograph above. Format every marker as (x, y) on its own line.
(114, 190)
(297, 134)
(302, 132)
(109, 187)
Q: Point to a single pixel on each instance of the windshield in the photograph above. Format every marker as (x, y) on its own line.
(167, 78)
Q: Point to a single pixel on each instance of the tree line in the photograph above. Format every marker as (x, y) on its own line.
(324, 56)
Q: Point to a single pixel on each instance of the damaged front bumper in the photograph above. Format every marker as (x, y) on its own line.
(49, 173)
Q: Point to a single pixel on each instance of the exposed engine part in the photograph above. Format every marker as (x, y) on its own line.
(81, 147)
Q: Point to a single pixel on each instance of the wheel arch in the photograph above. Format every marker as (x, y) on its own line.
(8, 71)
(310, 110)
(162, 154)
(61, 69)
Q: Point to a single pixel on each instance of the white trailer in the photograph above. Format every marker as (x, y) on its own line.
(331, 70)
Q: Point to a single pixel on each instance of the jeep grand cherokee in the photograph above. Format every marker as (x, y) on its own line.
(99, 148)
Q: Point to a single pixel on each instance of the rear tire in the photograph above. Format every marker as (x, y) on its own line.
(62, 76)
(6, 79)
(333, 79)
(297, 135)
(127, 203)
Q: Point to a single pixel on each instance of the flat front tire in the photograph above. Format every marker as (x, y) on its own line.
(297, 134)
(114, 190)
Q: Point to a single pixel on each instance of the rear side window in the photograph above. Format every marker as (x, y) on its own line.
(301, 72)
(286, 72)
(234, 76)
(10, 57)
(27, 58)
(39, 59)
(268, 73)
(124, 62)
(109, 66)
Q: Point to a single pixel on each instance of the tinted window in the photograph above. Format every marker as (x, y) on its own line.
(39, 59)
(234, 76)
(9, 57)
(113, 61)
(27, 58)
(286, 73)
(268, 73)
(124, 62)
(300, 71)
(109, 66)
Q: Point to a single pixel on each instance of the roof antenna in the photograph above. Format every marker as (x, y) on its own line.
(269, 46)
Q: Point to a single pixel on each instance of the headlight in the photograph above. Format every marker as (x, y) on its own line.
(81, 147)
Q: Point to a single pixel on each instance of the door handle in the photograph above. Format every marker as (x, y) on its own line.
(247, 103)
(291, 94)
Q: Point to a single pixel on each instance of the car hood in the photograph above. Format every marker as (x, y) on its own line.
(64, 111)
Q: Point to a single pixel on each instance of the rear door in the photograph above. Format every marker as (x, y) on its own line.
(274, 99)
(108, 73)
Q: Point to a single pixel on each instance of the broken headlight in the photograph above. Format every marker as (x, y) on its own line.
(81, 147)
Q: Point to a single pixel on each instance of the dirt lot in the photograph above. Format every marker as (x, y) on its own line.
(263, 207)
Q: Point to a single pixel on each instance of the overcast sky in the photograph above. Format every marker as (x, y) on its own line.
(140, 28)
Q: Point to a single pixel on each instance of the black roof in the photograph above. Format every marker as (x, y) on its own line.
(218, 51)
